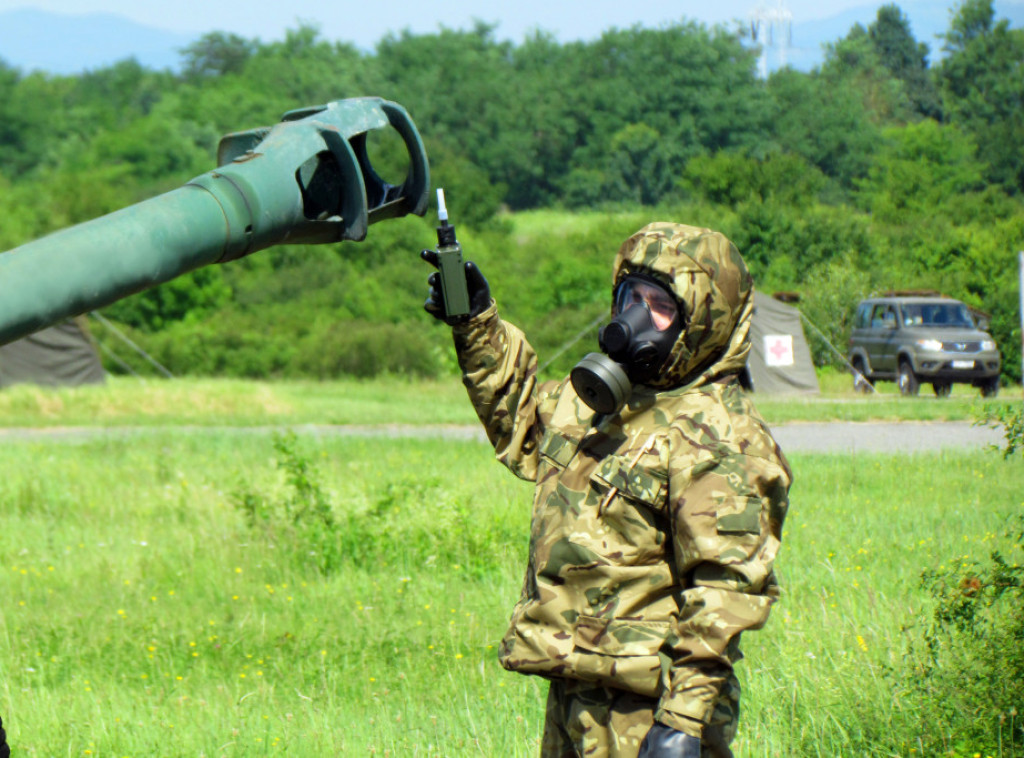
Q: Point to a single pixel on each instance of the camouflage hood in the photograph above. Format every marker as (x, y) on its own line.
(711, 282)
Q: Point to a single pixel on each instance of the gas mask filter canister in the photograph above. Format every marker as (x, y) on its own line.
(636, 343)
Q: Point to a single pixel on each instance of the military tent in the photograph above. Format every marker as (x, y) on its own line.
(61, 355)
(780, 360)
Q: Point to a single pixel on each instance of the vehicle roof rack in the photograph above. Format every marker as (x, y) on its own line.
(915, 293)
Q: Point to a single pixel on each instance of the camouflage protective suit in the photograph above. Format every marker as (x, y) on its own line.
(654, 530)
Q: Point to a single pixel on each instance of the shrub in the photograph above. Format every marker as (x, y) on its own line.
(969, 675)
(968, 666)
(301, 519)
(831, 293)
(402, 513)
(366, 349)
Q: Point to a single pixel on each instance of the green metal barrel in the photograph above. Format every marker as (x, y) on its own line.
(306, 180)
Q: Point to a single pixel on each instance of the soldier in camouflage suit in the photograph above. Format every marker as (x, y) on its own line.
(654, 529)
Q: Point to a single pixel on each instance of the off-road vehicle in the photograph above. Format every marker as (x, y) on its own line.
(911, 340)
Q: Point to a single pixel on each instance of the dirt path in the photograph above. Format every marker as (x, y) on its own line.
(831, 437)
(904, 437)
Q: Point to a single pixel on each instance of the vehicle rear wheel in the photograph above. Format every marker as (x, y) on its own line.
(942, 389)
(907, 380)
(861, 382)
(990, 387)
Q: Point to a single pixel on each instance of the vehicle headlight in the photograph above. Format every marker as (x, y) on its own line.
(988, 344)
(931, 346)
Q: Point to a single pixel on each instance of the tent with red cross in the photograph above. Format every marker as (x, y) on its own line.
(780, 360)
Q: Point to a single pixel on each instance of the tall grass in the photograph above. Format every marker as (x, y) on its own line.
(145, 613)
(834, 673)
(238, 402)
(142, 615)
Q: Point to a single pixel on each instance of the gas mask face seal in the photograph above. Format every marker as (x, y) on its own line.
(647, 322)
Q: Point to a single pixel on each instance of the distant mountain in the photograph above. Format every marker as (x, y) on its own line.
(68, 44)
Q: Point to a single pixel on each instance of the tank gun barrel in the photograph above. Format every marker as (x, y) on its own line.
(306, 180)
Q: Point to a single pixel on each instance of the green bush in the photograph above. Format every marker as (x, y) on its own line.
(323, 350)
(830, 295)
(205, 350)
(968, 672)
(968, 665)
(412, 515)
(300, 520)
(366, 349)
(1010, 420)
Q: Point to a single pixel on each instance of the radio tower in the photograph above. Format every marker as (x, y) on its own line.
(772, 28)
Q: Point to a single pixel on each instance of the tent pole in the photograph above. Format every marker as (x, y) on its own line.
(124, 338)
(842, 357)
(586, 330)
(116, 359)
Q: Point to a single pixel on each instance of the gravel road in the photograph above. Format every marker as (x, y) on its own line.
(903, 437)
(832, 437)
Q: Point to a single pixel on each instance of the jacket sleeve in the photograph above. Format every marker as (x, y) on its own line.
(726, 515)
(499, 370)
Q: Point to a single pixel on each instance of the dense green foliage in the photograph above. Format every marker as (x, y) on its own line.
(875, 171)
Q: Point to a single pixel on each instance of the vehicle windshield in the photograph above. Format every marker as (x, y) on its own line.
(937, 314)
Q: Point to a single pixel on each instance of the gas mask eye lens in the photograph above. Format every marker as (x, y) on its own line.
(662, 306)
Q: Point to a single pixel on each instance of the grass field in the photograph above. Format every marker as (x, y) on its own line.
(188, 593)
(393, 400)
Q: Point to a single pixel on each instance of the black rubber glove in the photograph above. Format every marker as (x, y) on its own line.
(5, 751)
(665, 742)
(476, 285)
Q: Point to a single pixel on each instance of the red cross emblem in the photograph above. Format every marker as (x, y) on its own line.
(778, 349)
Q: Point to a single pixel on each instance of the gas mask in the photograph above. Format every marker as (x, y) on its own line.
(636, 344)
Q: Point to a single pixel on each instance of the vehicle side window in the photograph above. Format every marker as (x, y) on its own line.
(883, 317)
(876, 316)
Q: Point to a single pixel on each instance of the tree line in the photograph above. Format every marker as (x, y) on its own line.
(889, 166)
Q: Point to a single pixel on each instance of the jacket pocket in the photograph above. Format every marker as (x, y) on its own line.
(628, 508)
(739, 516)
(620, 653)
(740, 523)
(648, 486)
(530, 647)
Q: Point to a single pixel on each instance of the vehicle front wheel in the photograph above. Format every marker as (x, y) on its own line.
(907, 380)
(942, 389)
(990, 387)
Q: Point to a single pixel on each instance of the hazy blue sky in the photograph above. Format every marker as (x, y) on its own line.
(366, 21)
